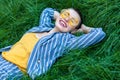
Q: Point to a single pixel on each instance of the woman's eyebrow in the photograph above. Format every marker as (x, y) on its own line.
(75, 19)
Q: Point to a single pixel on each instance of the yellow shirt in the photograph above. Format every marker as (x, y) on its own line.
(19, 53)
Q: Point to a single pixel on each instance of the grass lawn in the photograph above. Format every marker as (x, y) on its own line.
(98, 62)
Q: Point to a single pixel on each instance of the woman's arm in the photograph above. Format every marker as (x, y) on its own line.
(46, 16)
(91, 36)
(45, 21)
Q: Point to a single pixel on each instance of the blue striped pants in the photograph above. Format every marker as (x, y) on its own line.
(9, 70)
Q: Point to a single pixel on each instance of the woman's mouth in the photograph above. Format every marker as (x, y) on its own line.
(62, 23)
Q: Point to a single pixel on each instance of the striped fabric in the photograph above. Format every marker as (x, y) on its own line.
(8, 70)
(50, 47)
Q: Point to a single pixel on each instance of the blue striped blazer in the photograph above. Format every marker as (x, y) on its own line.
(50, 47)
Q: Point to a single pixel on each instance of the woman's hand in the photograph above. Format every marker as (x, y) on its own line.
(56, 14)
(84, 29)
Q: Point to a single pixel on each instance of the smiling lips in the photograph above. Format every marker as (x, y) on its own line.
(63, 23)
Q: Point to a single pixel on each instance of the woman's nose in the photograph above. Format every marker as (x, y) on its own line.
(67, 19)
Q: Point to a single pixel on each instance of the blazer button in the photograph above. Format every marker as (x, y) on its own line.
(38, 61)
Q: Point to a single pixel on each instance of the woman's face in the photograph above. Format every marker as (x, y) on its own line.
(68, 20)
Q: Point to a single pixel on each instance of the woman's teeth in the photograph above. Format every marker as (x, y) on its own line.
(62, 23)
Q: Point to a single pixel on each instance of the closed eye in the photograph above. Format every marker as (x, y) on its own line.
(73, 20)
(66, 14)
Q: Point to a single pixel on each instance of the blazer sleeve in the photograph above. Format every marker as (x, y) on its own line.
(45, 22)
(46, 17)
(85, 40)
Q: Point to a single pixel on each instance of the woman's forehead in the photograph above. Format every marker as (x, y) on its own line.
(73, 13)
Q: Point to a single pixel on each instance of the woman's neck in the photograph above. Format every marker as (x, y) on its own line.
(55, 29)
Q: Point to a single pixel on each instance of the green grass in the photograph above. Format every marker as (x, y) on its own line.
(98, 62)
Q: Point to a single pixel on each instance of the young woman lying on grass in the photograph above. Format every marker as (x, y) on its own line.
(39, 47)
